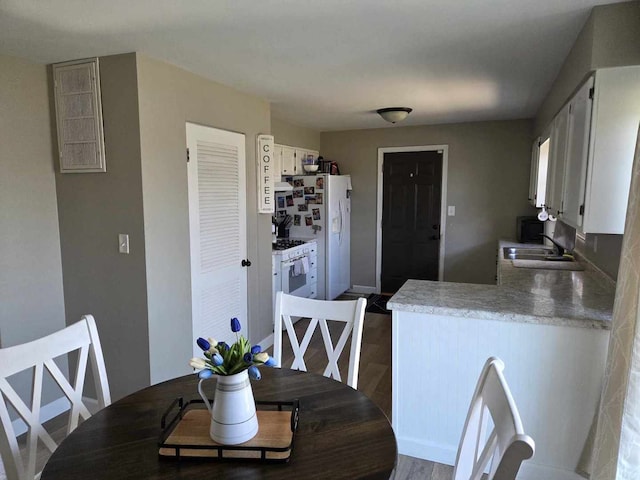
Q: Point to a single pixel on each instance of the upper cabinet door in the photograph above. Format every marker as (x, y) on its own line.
(557, 162)
(288, 160)
(614, 132)
(533, 178)
(577, 153)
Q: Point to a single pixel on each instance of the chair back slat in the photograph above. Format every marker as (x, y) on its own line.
(493, 438)
(38, 356)
(320, 312)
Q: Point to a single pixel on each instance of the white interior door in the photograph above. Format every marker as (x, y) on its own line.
(217, 225)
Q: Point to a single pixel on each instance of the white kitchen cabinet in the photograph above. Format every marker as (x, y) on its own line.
(533, 178)
(592, 147)
(555, 177)
(539, 167)
(577, 149)
(302, 154)
(614, 130)
(288, 161)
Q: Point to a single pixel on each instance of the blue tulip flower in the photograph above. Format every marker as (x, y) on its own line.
(254, 373)
(222, 346)
(256, 349)
(217, 359)
(235, 325)
(271, 362)
(206, 373)
(203, 344)
(248, 358)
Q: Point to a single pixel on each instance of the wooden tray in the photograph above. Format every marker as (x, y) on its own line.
(187, 435)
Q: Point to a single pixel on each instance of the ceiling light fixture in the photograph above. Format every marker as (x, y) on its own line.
(394, 114)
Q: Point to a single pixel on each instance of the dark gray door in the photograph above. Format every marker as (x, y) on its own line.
(412, 185)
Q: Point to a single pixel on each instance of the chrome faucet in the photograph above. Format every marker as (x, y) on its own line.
(559, 248)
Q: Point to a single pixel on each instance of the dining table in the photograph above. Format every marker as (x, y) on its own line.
(340, 434)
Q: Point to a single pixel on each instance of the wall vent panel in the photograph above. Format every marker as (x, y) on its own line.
(79, 116)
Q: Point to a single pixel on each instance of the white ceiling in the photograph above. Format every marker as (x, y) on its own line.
(327, 64)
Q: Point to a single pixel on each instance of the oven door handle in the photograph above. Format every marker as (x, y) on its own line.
(291, 261)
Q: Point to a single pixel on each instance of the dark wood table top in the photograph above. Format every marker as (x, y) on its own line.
(341, 434)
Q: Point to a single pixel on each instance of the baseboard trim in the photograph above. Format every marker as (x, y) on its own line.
(266, 342)
(362, 289)
(427, 450)
(47, 412)
(447, 455)
(52, 410)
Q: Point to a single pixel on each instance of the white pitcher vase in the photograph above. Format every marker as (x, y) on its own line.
(233, 413)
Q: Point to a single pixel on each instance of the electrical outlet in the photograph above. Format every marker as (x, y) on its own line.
(451, 210)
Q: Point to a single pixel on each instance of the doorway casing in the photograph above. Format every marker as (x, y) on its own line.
(443, 203)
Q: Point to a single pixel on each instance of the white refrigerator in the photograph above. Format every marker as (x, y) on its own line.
(320, 206)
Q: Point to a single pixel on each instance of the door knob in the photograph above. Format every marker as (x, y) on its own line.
(246, 263)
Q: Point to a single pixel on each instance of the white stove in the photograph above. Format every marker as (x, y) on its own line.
(287, 243)
(295, 267)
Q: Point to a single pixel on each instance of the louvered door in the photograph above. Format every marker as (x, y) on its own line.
(217, 224)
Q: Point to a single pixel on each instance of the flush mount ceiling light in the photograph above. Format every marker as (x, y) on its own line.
(394, 114)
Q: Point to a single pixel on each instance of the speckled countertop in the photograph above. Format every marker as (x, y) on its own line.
(552, 297)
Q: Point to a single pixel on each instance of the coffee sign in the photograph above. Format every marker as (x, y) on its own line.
(266, 172)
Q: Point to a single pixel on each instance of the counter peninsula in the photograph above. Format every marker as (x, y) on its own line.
(551, 328)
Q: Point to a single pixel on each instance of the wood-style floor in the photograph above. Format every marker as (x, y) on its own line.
(374, 380)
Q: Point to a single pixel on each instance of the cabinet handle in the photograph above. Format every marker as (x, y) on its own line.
(246, 263)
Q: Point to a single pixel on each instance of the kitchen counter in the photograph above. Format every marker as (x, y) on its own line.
(552, 297)
(550, 327)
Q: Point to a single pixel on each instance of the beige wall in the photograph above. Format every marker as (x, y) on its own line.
(94, 208)
(609, 38)
(30, 265)
(170, 97)
(616, 35)
(31, 293)
(288, 134)
(603, 251)
(576, 67)
(488, 178)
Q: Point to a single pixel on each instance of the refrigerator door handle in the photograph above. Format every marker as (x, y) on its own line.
(340, 210)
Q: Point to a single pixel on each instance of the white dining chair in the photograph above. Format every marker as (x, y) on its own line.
(37, 358)
(493, 435)
(349, 312)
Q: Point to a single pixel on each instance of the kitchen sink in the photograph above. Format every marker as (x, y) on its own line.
(533, 253)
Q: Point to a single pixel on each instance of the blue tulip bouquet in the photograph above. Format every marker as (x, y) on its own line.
(222, 359)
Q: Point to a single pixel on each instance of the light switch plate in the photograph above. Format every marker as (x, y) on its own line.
(123, 243)
(451, 210)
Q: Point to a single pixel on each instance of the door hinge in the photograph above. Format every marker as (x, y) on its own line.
(592, 92)
(187, 155)
(581, 209)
